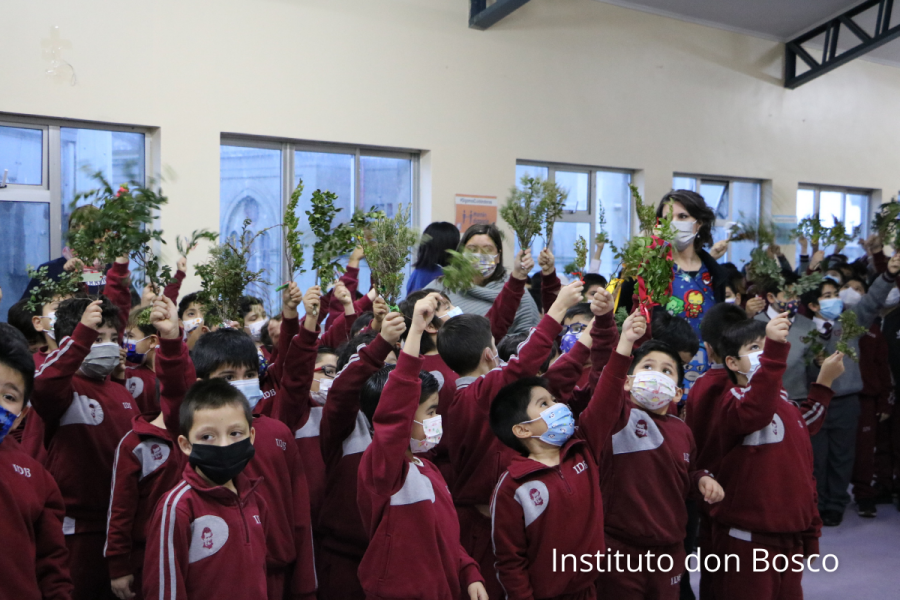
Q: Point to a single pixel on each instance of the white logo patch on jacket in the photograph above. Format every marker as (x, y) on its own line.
(416, 488)
(151, 453)
(639, 434)
(313, 424)
(533, 497)
(360, 438)
(135, 386)
(208, 534)
(770, 434)
(82, 411)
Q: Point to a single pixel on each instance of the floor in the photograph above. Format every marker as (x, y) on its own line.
(868, 551)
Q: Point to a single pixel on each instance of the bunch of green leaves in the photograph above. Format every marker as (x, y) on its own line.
(331, 242)
(806, 283)
(838, 236)
(143, 317)
(524, 210)
(460, 272)
(226, 275)
(763, 269)
(811, 229)
(293, 248)
(814, 344)
(602, 238)
(68, 284)
(121, 225)
(156, 274)
(644, 257)
(850, 330)
(752, 230)
(553, 203)
(887, 224)
(185, 245)
(576, 267)
(620, 317)
(388, 245)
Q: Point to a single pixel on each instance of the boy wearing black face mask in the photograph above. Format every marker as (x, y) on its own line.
(84, 415)
(208, 537)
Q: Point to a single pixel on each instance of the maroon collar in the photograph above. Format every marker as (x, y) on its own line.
(221, 494)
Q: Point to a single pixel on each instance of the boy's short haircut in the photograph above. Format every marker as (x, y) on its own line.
(14, 353)
(20, 317)
(70, 311)
(857, 278)
(509, 346)
(346, 350)
(361, 322)
(408, 306)
(264, 337)
(740, 334)
(186, 302)
(580, 309)
(813, 295)
(590, 279)
(717, 320)
(224, 347)
(461, 341)
(770, 286)
(370, 393)
(658, 346)
(207, 395)
(248, 302)
(135, 318)
(325, 350)
(675, 331)
(510, 407)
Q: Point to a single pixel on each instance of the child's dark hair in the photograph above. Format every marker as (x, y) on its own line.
(370, 393)
(771, 286)
(858, 279)
(408, 306)
(346, 350)
(675, 331)
(134, 321)
(186, 301)
(658, 346)
(509, 346)
(718, 319)
(210, 394)
(325, 350)
(590, 279)
(248, 302)
(437, 238)
(580, 309)
(70, 311)
(738, 335)
(813, 295)
(14, 353)
(462, 339)
(696, 207)
(20, 317)
(361, 322)
(510, 407)
(224, 347)
(264, 338)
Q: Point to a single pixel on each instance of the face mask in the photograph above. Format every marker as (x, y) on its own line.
(684, 234)
(568, 341)
(51, 323)
(221, 464)
(754, 364)
(789, 307)
(453, 312)
(256, 329)
(850, 297)
(325, 385)
(893, 298)
(731, 300)
(653, 390)
(434, 429)
(487, 264)
(6, 422)
(250, 389)
(831, 308)
(190, 325)
(101, 360)
(131, 353)
(560, 424)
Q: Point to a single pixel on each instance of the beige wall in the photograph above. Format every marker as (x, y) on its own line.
(573, 81)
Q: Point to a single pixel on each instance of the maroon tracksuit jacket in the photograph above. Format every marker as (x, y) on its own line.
(699, 410)
(406, 506)
(434, 364)
(34, 561)
(874, 400)
(270, 384)
(140, 381)
(84, 420)
(207, 542)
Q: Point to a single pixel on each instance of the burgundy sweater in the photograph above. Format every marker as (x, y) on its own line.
(406, 506)
(434, 364)
(207, 542)
(767, 462)
(35, 561)
(84, 420)
(144, 469)
(140, 381)
(700, 409)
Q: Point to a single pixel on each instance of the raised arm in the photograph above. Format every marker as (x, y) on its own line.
(872, 302)
(563, 375)
(339, 324)
(173, 288)
(503, 311)
(116, 289)
(815, 406)
(550, 283)
(294, 401)
(174, 368)
(291, 298)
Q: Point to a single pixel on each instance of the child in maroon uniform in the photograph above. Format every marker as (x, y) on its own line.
(207, 537)
(478, 457)
(85, 416)
(403, 500)
(140, 343)
(34, 562)
(766, 465)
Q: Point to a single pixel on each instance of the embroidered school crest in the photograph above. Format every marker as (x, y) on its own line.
(156, 452)
(207, 538)
(536, 497)
(640, 429)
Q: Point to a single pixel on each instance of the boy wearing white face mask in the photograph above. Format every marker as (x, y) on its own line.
(403, 500)
(84, 415)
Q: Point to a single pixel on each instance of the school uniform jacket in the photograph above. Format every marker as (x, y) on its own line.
(207, 542)
(406, 506)
(84, 420)
(646, 465)
(141, 383)
(434, 364)
(700, 409)
(767, 462)
(270, 384)
(34, 560)
(143, 470)
(540, 512)
(477, 456)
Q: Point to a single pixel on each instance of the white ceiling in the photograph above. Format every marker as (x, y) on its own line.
(779, 20)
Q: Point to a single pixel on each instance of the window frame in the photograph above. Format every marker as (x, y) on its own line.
(817, 190)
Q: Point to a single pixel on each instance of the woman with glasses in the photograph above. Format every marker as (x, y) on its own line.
(484, 241)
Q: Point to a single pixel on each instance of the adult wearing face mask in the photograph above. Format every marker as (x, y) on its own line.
(485, 242)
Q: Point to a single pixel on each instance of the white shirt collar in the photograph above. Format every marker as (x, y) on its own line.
(819, 322)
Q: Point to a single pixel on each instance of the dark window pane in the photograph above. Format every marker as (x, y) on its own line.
(21, 154)
(25, 231)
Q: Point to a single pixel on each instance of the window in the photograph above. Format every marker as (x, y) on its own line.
(46, 164)
(732, 200)
(589, 189)
(848, 205)
(255, 185)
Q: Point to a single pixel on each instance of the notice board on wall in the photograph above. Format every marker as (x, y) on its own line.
(475, 210)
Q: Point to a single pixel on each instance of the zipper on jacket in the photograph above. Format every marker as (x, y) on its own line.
(558, 470)
(244, 522)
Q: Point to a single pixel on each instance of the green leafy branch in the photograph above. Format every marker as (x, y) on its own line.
(815, 347)
(460, 272)
(185, 245)
(644, 256)
(806, 283)
(577, 266)
(68, 284)
(331, 242)
(811, 229)
(887, 224)
(388, 245)
(553, 203)
(838, 236)
(524, 210)
(850, 330)
(763, 269)
(293, 248)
